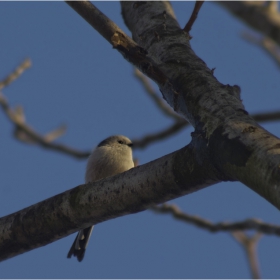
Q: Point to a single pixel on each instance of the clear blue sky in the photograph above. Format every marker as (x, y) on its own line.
(78, 79)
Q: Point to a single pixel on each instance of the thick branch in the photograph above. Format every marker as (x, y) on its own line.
(240, 148)
(227, 144)
(24, 132)
(120, 41)
(130, 192)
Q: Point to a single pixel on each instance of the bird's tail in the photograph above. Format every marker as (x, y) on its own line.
(79, 246)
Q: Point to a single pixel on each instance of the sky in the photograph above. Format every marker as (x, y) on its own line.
(79, 80)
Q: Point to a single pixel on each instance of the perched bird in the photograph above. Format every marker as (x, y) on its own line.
(112, 156)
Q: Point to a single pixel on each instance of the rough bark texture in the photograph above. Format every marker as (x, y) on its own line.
(227, 143)
(240, 148)
(130, 192)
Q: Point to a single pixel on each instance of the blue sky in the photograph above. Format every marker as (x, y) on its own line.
(78, 79)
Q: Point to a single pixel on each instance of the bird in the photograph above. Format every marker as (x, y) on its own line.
(113, 155)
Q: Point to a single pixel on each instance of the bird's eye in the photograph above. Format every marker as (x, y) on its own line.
(121, 142)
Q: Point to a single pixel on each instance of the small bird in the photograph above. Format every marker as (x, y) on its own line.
(112, 156)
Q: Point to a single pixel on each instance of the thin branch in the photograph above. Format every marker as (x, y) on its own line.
(181, 123)
(25, 133)
(163, 106)
(252, 224)
(130, 50)
(193, 17)
(267, 117)
(249, 243)
(150, 138)
(263, 18)
(266, 44)
(100, 22)
(16, 73)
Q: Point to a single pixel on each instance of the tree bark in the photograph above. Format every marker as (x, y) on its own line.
(130, 192)
(240, 148)
(227, 143)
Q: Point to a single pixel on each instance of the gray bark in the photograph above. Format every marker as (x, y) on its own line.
(130, 192)
(227, 143)
(240, 148)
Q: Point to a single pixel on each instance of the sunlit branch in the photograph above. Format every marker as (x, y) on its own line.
(249, 244)
(16, 73)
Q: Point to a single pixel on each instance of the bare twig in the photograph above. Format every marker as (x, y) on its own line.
(222, 226)
(150, 138)
(16, 73)
(249, 243)
(22, 131)
(165, 108)
(193, 17)
(267, 117)
(130, 50)
(266, 44)
(25, 133)
(180, 124)
(263, 18)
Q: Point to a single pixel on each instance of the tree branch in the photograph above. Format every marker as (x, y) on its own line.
(193, 17)
(238, 145)
(129, 192)
(153, 137)
(163, 106)
(16, 73)
(28, 135)
(261, 17)
(267, 117)
(227, 143)
(265, 44)
(249, 243)
(132, 52)
(249, 224)
(24, 132)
